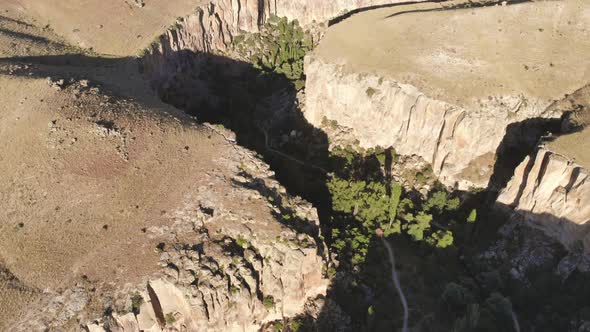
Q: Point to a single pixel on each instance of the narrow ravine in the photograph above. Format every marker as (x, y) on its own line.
(440, 236)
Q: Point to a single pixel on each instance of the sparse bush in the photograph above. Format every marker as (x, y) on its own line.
(136, 302)
(242, 242)
(370, 92)
(170, 319)
(280, 48)
(268, 302)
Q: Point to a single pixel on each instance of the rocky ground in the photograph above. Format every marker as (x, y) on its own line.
(107, 194)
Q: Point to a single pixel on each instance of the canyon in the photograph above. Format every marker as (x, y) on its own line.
(124, 210)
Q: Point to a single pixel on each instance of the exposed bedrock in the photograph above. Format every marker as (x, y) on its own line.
(121, 215)
(551, 188)
(403, 77)
(213, 25)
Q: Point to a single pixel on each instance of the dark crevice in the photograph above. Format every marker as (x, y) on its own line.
(341, 18)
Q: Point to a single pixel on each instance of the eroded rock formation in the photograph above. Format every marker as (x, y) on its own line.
(124, 200)
(396, 78)
(551, 188)
(213, 25)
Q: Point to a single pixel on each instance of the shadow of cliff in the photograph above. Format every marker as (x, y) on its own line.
(260, 108)
(508, 255)
(343, 17)
(520, 140)
(459, 6)
(118, 77)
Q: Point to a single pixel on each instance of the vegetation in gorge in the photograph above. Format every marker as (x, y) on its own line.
(437, 238)
(438, 246)
(365, 201)
(279, 48)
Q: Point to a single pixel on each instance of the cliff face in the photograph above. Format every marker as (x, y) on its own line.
(367, 110)
(135, 216)
(553, 193)
(213, 25)
(391, 78)
(551, 188)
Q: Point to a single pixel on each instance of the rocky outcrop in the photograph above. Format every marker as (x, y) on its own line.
(550, 189)
(553, 193)
(236, 273)
(424, 90)
(169, 224)
(213, 25)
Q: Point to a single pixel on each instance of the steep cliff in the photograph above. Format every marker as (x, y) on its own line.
(403, 77)
(121, 212)
(213, 25)
(551, 188)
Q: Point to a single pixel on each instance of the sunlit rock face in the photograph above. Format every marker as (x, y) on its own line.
(551, 187)
(553, 193)
(404, 78)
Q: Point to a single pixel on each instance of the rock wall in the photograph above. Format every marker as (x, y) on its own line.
(212, 26)
(403, 77)
(366, 110)
(550, 189)
(174, 224)
(553, 193)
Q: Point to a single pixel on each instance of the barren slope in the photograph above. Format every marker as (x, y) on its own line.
(98, 174)
(115, 27)
(461, 55)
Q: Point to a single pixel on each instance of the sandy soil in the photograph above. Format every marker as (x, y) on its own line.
(539, 49)
(576, 145)
(114, 27)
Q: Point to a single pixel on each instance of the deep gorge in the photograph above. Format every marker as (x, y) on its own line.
(264, 112)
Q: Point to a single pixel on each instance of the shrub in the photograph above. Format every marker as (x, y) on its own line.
(472, 216)
(242, 242)
(268, 302)
(136, 302)
(280, 48)
(456, 297)
(170, 319)
(371, 92)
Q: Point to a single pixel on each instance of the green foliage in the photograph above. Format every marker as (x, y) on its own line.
(472, 216)
(417, 225)
(295, 325)
(354, 241)
(268, 302)
(439, 201)
(278, 326)
(242, 242)
(279, 48)
(441, 239)
(364, 203)
(136, 302)
(170, 319)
